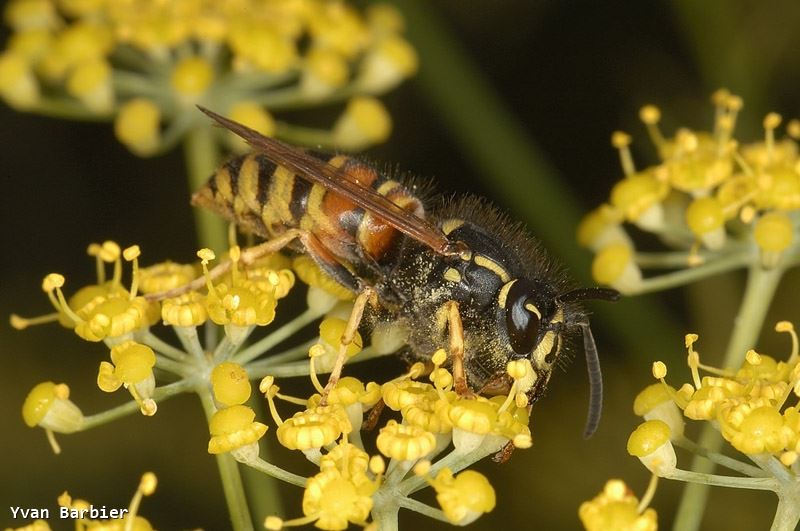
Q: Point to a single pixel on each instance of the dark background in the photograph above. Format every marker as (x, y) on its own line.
(570, 72)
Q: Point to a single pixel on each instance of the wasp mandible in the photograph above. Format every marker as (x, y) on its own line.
(459, 275)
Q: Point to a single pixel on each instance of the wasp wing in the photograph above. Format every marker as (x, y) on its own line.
(332, 178)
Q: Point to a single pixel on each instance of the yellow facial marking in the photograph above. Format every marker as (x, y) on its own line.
(451, 224)
(533, 309)
(503, 295)
(452, 275)
(492, 266)
(543, 349)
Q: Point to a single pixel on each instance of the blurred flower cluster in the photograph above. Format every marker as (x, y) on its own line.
(715, 204)
(433, 433)
(147, 63)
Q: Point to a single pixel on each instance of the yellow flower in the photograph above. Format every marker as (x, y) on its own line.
(148, 63)
(188, 309)
(333, 500)
(230, 383)
(48, 405)
(650, 442)
(313, 428)
(165, 276)
(465, 497)
(616, 509)
(232, 428)
(405, 442)
(753, 429)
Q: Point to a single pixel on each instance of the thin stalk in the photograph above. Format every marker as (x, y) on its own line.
(277, 472)
(263, 345)
(159, 395)
(697, 478)
(687, 276)
(787, 515)
(232, 486)
(721, 459)
(421, 508)
(201, 153)
(759, 292)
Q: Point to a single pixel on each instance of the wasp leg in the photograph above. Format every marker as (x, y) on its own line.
(367, 295)
(456, 330)
(373, 416)
(248, 256)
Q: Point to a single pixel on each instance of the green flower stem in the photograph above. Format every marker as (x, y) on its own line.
(202, 156)
(162, 347)
(67, 109)
(227, 347)
(421, 508)
(455, 461)
(229, 474)
(687, 276)
(286, 331)
(773, 467)
(758, 294)
(386, 505)
(673, 259)
(169, 365)
(787, 515)
(277, 472)
(187, 335)
(129, 83)
(720, 459)
(159, 395)
(262, 368)
(699, 478)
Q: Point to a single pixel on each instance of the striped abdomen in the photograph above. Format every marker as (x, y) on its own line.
(266, 199)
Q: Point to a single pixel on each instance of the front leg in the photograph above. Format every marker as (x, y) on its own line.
(455, 329)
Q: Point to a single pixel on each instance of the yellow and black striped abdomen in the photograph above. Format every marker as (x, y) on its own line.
(266, 199)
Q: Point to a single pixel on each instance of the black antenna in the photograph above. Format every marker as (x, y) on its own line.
(590, 350)
(585, 294)
(595, 382)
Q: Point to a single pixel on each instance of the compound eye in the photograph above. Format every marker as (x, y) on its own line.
(522, 317)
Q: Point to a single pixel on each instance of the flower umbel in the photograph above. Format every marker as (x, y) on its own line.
(146, 64)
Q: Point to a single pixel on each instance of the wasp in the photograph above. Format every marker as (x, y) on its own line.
(458, 275)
